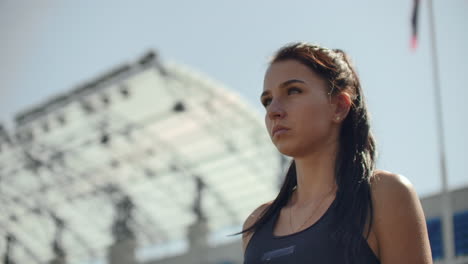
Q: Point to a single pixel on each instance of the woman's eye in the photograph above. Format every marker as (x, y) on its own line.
(266, 102)
(294, 90)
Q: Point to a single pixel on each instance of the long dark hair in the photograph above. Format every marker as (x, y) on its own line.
(355, 159)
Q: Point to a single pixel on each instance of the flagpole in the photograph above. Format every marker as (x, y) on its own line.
(447, 219)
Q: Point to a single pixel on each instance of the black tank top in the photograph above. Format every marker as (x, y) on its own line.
(311, 245)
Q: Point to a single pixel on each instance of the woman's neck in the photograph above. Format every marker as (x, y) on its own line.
(315, 175)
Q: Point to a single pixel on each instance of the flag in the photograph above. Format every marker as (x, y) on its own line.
(414, 25)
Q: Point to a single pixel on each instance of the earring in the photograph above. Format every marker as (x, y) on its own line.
(337, 118)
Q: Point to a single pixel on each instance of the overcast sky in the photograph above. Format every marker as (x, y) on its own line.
(48, 47)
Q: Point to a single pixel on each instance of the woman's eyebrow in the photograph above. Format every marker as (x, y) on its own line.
(284, 84)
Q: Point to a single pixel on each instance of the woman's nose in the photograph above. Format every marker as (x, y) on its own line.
(276, 111)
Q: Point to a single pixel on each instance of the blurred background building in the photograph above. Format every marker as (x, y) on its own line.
(147, 159)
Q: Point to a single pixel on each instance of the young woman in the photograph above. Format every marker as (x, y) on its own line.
(333, 206)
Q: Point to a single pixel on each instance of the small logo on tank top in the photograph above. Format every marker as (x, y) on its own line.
(267, 256)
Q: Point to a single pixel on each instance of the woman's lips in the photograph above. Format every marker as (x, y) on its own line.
(280, 131)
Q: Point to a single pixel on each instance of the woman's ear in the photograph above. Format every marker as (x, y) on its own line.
(342, 104)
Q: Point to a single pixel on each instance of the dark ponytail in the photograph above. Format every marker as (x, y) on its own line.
(355, 159)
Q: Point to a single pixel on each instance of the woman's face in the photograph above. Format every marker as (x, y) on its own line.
(297, 98)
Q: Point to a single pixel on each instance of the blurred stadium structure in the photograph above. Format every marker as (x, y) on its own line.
(133, 159)
(150, 163)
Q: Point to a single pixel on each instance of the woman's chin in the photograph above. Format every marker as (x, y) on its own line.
(286, 150)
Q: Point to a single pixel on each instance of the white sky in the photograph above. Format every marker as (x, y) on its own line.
(49, 47)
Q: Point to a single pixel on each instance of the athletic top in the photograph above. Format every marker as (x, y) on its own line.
(311, 245)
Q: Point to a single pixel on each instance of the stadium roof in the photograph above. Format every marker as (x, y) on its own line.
(145, 133)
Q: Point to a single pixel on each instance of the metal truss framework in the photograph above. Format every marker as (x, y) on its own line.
(144, 131)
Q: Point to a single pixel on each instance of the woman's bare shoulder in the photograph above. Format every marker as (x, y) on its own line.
(384, 177)
(385, 184)
(399, 220)
(250, 220)
(255, 215)
(391, 191)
